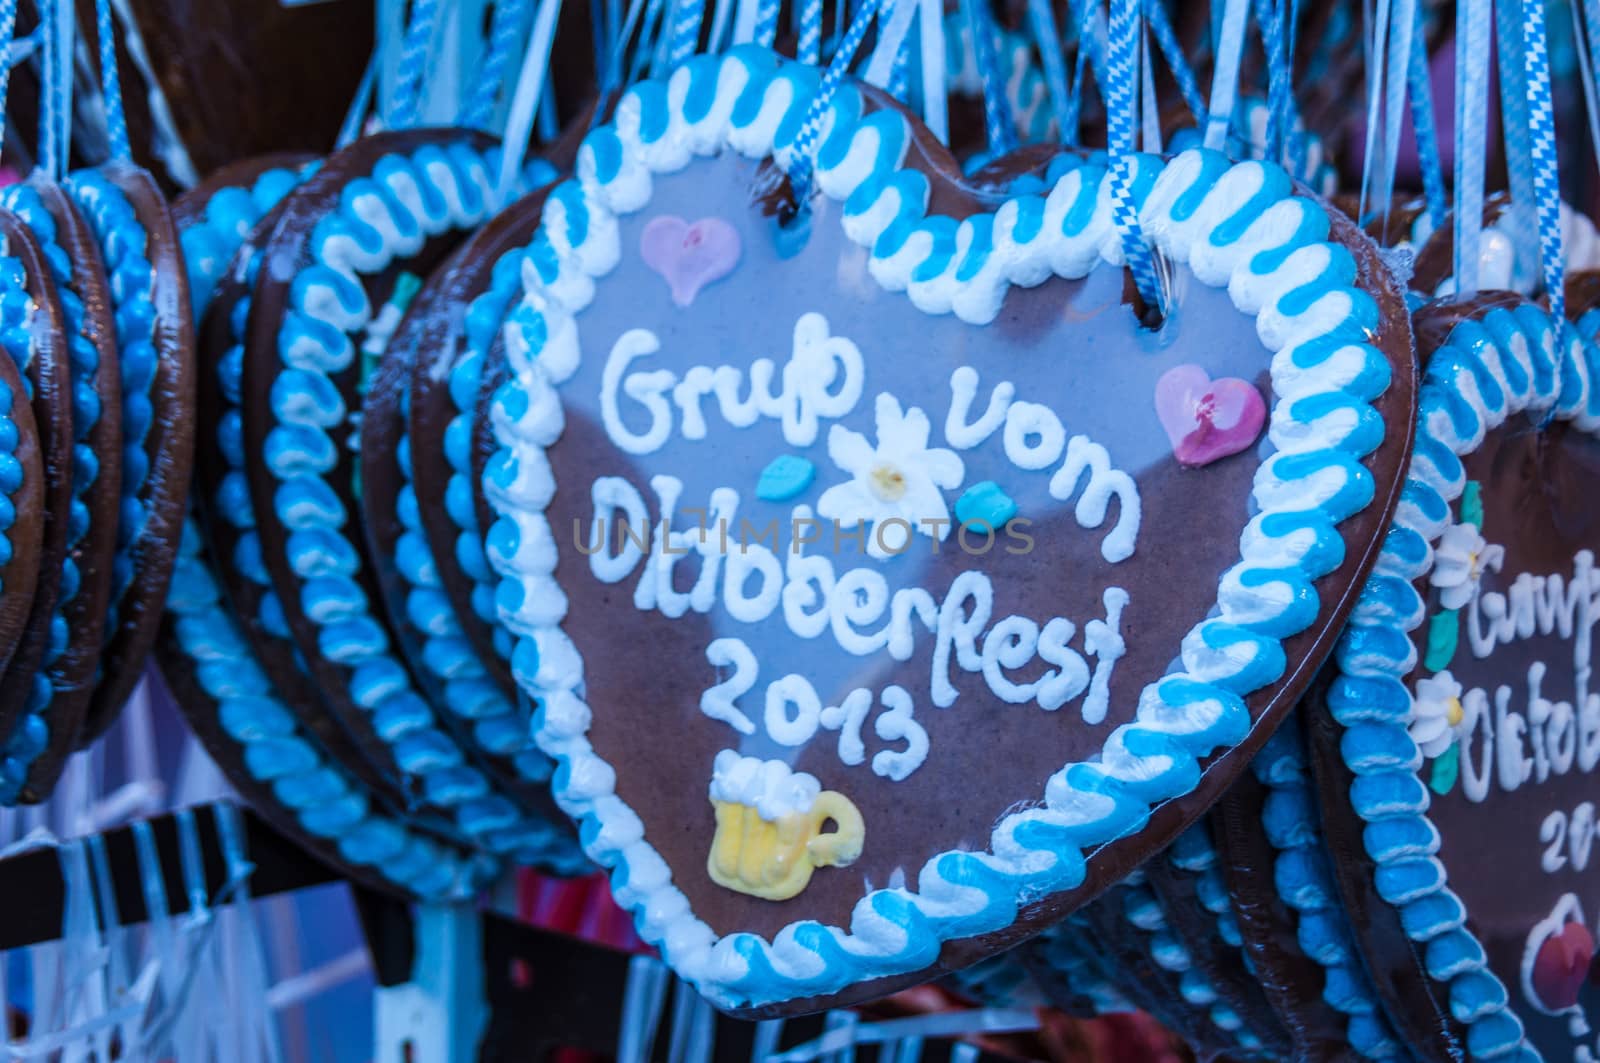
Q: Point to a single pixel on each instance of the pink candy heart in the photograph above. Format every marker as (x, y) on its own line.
(1561, 965)
(689, 256)
(1207, 419)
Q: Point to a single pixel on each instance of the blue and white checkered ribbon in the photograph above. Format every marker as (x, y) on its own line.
(998, 127)
(805, 141)
(1521, 221)
(110, 81)
(809, 46)
(767, 22)
(1422, 121)
(1120, 89)
(415, 49)
(1542, 155)
(686, 18)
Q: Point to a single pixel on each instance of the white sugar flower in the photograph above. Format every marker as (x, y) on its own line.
(898, 480)
(1459, 562)
(1436, 713)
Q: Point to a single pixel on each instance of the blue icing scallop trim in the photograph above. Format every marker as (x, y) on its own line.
(381, 216)
(325, 801)
(1305, 882)
(32, 734)
(131, 278)
(1142, 909)
(1508, 361)
(1060, 948)
(210, 243)
(1235, 226)
(468, 690)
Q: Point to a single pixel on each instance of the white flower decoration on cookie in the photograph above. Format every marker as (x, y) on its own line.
(1436, 713)
(1459, 562)
(901, 479)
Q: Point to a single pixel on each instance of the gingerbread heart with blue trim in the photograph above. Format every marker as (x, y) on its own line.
(1457, 740)
(870, 616)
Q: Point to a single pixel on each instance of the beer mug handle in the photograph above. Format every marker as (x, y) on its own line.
(841, 846)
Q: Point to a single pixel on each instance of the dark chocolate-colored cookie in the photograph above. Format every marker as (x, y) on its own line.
(39, 746)
(1455, 740)
(867, 403)
(1288, 912)
(1194, 895)
(386, 206)
(34, 335)
(22, 495)
(226, 516)
(155, 343)
(482, 719)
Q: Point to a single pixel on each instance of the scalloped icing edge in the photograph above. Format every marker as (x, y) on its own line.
(1233, 224)
(1307, 888)
(1376, 651)
(322, 798)
(32, 735)
(382, 214)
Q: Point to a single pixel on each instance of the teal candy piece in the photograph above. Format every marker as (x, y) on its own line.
(786, 476)
(985, 506)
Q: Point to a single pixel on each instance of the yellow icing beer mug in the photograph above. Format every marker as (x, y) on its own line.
(774, 858)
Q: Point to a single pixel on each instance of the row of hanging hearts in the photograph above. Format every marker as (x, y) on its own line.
(870, 571)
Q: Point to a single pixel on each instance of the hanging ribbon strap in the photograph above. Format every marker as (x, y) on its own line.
(1225, 76)
(1121, 90)
(686, 18)
(1472, 102)
(1542, 154)
(110, 80)
(1042, 18)
(415, 50)
(805, 141)
(1422, 121)
(1155, 14)
(996, 109)
(505, 33)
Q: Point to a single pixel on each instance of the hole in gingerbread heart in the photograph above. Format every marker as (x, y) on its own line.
(1148, 315)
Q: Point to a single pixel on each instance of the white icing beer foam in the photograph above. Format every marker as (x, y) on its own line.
(771, 787)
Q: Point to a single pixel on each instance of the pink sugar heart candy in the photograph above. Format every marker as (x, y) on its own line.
(1561, 965)
(1207, 419)
(689, 256)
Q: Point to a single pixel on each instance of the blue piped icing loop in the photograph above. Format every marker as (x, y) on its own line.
(1061, 950)
(324, 800)
(382, 216)
(468, 690)
(123, 243)
(1305, 882)
(1506, 362)
(1143, 912)
(210, 243)
(16, 314)
(1198, 209)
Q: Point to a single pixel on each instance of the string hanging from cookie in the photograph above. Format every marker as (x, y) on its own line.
(1122, 91)
(1473, 21)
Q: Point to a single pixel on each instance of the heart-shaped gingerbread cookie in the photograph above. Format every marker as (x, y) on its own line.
(869, 614)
